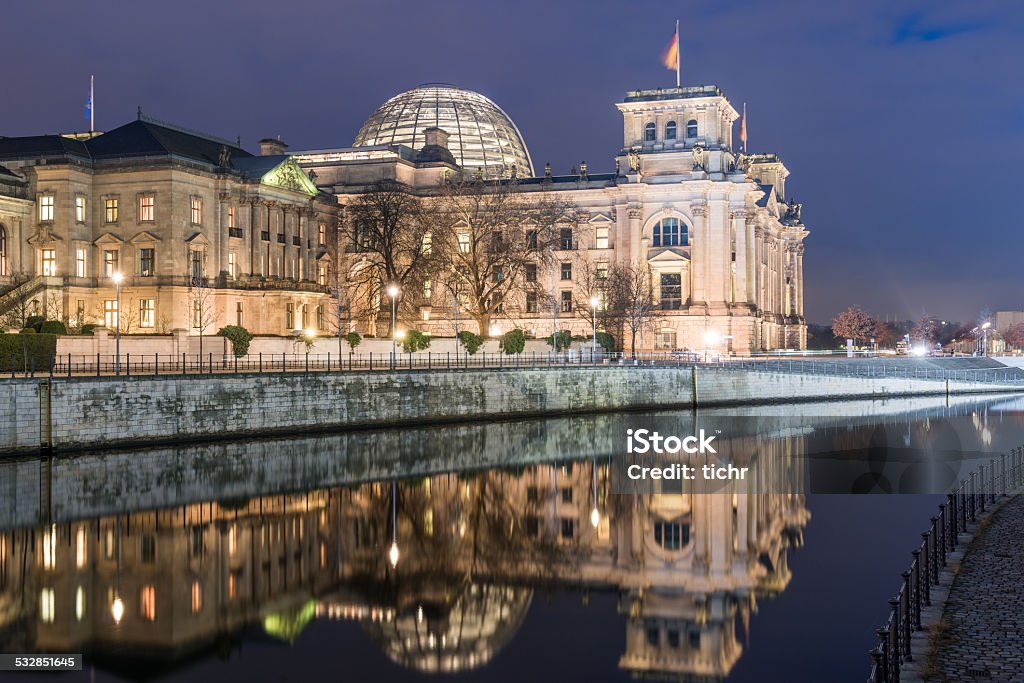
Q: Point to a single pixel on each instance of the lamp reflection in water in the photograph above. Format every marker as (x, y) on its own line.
(595, 516)
(393, 553)
(117, 605)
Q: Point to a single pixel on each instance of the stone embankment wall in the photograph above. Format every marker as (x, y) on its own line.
(84, 412)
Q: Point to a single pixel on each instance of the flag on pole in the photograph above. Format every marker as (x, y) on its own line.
(89, 113)
(670, 57)
(743, 128)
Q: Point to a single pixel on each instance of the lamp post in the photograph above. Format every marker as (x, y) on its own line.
(393, 292)
(594, 302)
(117, 277)
(984, 329)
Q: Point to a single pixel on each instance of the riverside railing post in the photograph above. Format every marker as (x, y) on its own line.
(905, 605)
(876, 665)
(993, 489)
(942, 535)
(896, 647)
(184, 367)
(883, 643)
(971, 494)
(915, 567)
(935, 551)
(926, 571)
(954, 530)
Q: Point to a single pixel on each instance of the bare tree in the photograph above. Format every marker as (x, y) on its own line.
(489, 234)
(1014, 336)
(202, 311)
(394, 238)
(631, 296)
(925, 329)
(595, 282)
(18, 304)
(853, 323)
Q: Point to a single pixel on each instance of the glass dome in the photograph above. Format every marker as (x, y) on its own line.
(481, 135)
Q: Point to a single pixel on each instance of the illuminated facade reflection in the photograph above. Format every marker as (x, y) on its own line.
(473, 548)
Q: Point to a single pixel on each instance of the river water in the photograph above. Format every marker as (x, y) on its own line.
(504, 551)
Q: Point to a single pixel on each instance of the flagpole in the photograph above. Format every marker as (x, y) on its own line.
(744, 128)
(92, 106)
(678, 50)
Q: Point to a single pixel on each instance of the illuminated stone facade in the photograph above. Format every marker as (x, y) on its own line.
(723, 246)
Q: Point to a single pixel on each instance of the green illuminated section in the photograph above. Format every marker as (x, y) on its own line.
(288, 625)
(289, 176)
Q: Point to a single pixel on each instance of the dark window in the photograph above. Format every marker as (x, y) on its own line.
(147, 549)
(531, 494)
(147, 262)
(691, 129)
(566, 302)
(670, 130)
(531, 272)
(197, 541)
(197, 264)
(566, 271)
(265, 235)
(568, 528)
(497, 276)
(565, 238)
(567, 494)
(3, 251)
(671, 535)
(532, 525)
(531, 239)
(652, 635)
(671, 291)
(531, 302)
(673, 638)
(670, 232)
(649, 132)
(695, 639)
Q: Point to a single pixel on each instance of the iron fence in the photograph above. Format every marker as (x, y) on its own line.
(962, 507)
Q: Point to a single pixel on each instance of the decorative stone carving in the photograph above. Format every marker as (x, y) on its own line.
(699, 210)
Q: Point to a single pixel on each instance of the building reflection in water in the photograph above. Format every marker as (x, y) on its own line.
(164, 586)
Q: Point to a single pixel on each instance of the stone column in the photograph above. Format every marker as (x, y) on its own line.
(636, 253)
(623, 236)
(758, 267)
(222, 234)
(255, 222)
(718, 263)
(739, 218)
(798, 280)
(699, 254)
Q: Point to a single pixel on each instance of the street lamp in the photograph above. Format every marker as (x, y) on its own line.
(984, 329)
(594, 302)
(711, 339)
(393, 292)
(118, 278)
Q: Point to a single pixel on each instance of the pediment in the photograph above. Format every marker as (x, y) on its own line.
(324, 258)
(668, 255)
(198, 239)
(43, 237)
(108, 238)
(601, 217)
(289, 176)
(144, 237)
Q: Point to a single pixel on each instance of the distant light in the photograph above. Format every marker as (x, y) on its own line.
(117, 278)
(986, 325)
(711, 338)
(400, 334)
(595, 517)
(392, 291)
(594, 302)
(920, 350)
(495, 330)
(310, 332)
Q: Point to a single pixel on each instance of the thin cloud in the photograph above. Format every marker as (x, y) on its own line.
(916, 28)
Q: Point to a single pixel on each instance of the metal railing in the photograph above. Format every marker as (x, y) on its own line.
(962, 507)
(1004, 375)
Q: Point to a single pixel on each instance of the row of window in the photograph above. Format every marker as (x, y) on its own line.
(146, 604)
(671, 131)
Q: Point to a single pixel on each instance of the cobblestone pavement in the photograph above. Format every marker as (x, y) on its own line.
(985, 609)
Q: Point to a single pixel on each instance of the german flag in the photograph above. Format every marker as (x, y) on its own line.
(670, 57)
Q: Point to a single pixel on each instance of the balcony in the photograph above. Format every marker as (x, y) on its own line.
(235, 232)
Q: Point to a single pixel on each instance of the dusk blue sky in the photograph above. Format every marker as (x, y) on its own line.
(902, 122)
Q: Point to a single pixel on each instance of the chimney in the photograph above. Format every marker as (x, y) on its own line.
(436, 136)
(272, 147)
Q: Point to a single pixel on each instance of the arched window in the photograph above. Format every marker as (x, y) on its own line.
(670, 232)
(671, 535)
(670, 130)
(691, 129)
(649, 132)
(3, 251)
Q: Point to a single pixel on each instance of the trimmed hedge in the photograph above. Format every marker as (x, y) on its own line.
(52, 327)
(27, 351)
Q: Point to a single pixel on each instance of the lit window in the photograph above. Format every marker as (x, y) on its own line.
(691, 129)
(427, 288)
(670, 130)
(232, 539)
(147, 603)
(81, 549)
(4, 266)
(197, 313)
(565, 238)
(231, 217)
(110, 210)
(147, 207)
(428, 242)
(80, 208)
(566, 271)
(46, 207)
(197, 210)
(49, 262)
(50, 548)
(147, 309)
(79, 603)
(464, 242)
(110, 262)
(147, 262)
(566, 301)
(197, 597)
(110, 314)
(289, 316)
(321, 275)
(231, 264)
(46, 604)
(79, 262)
(649, 132)
(321, 234)
(665, 339)
(601, 237)
(320, 317)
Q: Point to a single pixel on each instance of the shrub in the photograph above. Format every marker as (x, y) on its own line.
(28, 330)
(560, 340)
(87, 328)
(239, 338)
(512, 342)
(414, 340)
(606, 341)
(28, 350)
(353, 339)
(53, 327)
(471, 342)
(35, 321)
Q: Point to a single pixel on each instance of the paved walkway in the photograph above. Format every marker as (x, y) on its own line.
(985, 608)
